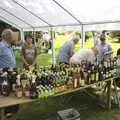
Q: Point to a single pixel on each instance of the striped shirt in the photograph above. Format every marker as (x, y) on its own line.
(7, 58)
(66, 52)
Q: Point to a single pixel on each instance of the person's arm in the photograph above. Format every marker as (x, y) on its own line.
(23, 58)
(109, 52)
(36, 57)
(72, 50)
(109, 48)
(1, 51)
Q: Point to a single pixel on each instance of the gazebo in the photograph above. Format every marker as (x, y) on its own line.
(55, 15)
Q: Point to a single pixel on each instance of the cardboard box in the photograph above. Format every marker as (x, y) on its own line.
(68, 114)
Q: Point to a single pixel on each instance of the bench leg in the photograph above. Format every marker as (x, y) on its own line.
(109, 94)
(2, 114)
(116, 94)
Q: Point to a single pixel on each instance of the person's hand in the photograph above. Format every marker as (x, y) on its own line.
(31, 67)
(27, 65)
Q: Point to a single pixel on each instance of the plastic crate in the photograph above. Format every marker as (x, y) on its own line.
(68, 114)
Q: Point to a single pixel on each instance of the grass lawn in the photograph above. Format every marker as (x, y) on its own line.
(46, 109)
(88, 108)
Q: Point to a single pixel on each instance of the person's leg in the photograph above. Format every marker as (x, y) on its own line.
(11, 110)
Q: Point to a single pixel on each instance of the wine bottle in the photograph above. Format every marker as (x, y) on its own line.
(19, 90)
(1, 80)
(105, 64)
(100, 72)
(10, 78)
(96, 75)
(75, 79)
(13, 79)
(70, 83)
(92, 76)
(33, 89)
(104, 73)
(75, 83)
(82, 78)
(27, 89)
(5, 85)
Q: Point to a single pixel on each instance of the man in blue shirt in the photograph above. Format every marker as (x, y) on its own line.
(67, 50)
(7, 58)
(105, 49)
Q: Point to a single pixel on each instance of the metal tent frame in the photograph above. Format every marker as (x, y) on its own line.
(47, 24)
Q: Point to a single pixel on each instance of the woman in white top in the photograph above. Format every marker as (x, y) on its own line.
(84, 54)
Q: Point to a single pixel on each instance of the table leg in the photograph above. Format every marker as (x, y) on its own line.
(105, 87)
(1, 113)
(116, 94)
(109, 95)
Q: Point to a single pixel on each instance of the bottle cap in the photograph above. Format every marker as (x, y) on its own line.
(4, 74)
(4, 82)
(10, 69)
(18, 76)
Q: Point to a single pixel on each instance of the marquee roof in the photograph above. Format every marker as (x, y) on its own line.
(61, 14)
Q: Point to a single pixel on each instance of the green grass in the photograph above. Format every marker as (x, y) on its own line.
(88, 108)
(46, 109)
(46, 59)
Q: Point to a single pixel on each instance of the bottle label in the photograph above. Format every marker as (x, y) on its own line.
(92, 77)
(13, 87)
(4, 92)
(105, 64)
(23, 82)
(75, 83)
(27, 93)
(104, 76)
(18, 82)
(97, 76)
(82, 83)
(19, 94)
(107, 75)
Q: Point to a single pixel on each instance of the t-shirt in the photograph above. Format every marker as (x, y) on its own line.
(29, 54)
(7, 57)
(83, 54)
(104, 48)
(66, 52)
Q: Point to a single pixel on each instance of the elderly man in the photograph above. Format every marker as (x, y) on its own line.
(104, 48)
(7, 59)
(67, 50)
(84, 54)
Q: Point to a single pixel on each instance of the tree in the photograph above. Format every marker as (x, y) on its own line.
(115, 34)
(4, 25)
